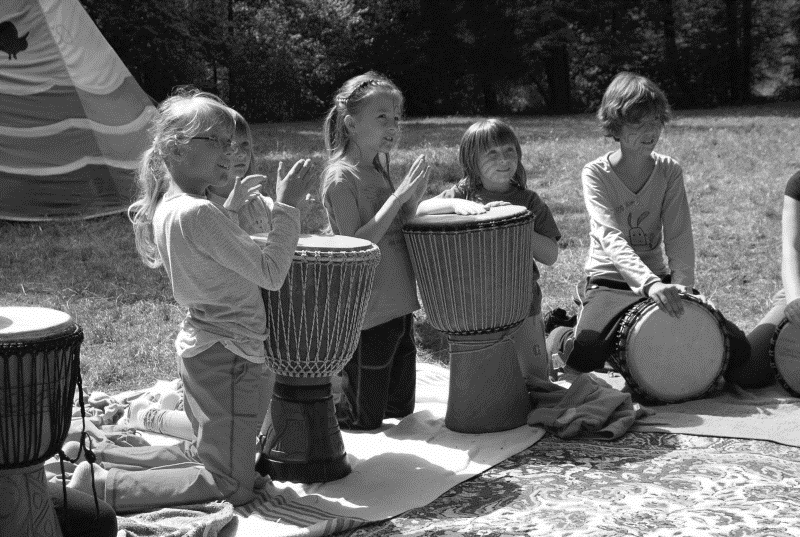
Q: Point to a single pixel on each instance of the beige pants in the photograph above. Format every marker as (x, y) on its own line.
(224, 399)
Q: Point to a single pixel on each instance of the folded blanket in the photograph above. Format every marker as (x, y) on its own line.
(204, 520)
(589, 407)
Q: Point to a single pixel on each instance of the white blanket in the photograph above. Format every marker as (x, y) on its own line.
(762, 414)
(405, 465)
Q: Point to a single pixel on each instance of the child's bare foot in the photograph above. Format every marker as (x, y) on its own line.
(82, 479)
(71, 449)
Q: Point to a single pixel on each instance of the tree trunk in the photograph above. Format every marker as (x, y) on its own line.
(734, 61)
(668, 23)
(746, 49)
(557, 66)
(229, 57)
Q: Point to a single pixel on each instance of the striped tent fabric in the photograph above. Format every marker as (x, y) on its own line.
(73, 121)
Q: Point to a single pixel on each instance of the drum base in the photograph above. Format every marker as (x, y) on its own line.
(306, 443)
(26, 509)
(487, 391)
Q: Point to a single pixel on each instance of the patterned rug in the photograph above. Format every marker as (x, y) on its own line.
(645, 484)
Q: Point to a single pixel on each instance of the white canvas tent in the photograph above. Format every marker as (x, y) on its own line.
(73, 121)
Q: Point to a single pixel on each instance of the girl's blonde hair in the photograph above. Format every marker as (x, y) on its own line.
(628, 99)
(187, 113)
(479, 138)
(349, 100)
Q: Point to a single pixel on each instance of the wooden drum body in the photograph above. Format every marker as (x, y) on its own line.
(669, 360)
(475, 277)
(784, 356)
(313, 326)
(39, 367)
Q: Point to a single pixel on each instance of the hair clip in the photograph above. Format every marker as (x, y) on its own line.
(371, 82)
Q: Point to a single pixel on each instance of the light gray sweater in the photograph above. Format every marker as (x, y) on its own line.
(217, 270)
(636, 237)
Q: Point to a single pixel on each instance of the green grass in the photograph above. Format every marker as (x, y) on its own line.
(736, 163)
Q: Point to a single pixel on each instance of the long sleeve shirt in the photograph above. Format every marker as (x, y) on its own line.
(217, 272)
(637, 237)
(254, 217)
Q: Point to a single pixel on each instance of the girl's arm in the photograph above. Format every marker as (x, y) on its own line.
(376, 227)
(439, 205)
(545, 249)
(790, 256)
(345, 209)
(546, 232)
(677, 226)
(265, 262)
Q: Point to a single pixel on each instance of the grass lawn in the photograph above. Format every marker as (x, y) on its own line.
(736, 163)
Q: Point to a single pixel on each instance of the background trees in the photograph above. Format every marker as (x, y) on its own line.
(282, 59)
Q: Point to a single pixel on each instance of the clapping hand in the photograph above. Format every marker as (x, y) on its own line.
(292, 188)
(244, 189)
(416, 180)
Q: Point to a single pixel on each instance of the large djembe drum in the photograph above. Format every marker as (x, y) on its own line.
(39, 368)
(784, 356)
(669, 360)
(475, 277)
(313, 324)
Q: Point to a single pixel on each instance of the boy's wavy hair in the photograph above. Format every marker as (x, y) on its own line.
(628, 99)
(479, 138)
(188, 112)
(350, 100)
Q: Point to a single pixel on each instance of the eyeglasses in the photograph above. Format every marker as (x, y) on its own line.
(225, 145)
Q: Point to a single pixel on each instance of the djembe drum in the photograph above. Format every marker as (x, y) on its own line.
(39, 367)
(784, 356)
(668, 360)
(313, 324)
(475, 276)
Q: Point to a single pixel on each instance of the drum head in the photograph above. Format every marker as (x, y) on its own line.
(333, 243)
(676, 359)
(324, 243)
(21, 323)
(785, 356)
(459, 221)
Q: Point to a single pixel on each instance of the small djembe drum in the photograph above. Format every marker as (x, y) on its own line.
(313, 324)
(784, 356)
(475, 277)
(668, 360)
(39, 368)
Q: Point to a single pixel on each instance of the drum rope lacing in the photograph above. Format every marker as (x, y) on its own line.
(340, 324)
(25, 432)
(436, 282)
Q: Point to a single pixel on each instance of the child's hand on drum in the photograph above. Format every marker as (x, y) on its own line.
(416, 178)
(667, 297)
(244, 189)
(792, 311)
(495, 204)
(292, 188)
(465, 207)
